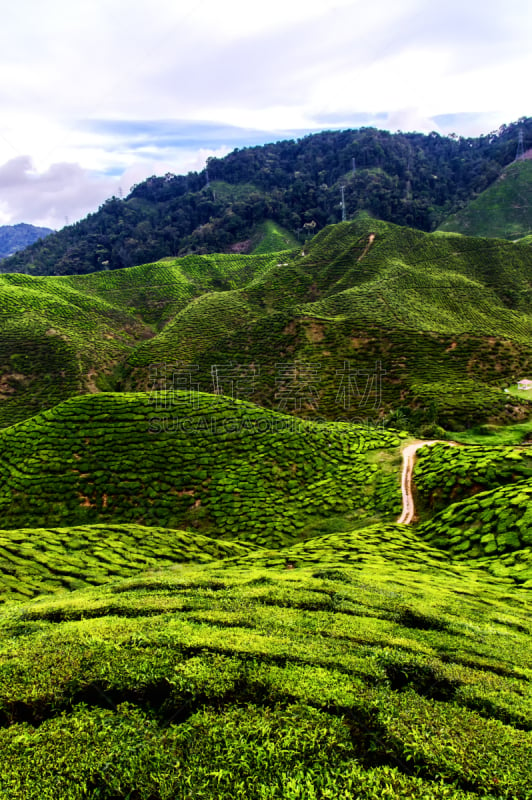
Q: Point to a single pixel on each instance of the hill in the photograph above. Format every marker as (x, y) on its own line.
(203, 596)
(36, 561)
(368, 321)
(68, 335)
(16, 237)
(502, 210)
(114, 458)
(408, 179)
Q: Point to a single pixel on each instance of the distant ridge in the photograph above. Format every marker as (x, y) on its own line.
(16, 237)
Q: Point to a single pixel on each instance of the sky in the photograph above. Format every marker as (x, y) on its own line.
(97, 96)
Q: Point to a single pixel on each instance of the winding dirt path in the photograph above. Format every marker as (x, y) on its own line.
(408, 514)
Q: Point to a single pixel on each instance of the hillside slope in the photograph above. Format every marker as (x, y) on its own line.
(502, 210)
(224, 467)
(61, 336)
(310, 673)
(368, 320)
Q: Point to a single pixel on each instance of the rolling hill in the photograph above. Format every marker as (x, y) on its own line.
(367, 665)
(105, 458)
(67, 335)
(204, 591)
(296, 651)
(366, 321)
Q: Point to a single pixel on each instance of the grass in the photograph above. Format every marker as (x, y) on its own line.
(523, 394)
(515, 434)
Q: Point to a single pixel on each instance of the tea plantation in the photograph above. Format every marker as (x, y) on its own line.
(39, 561)
(204, 592)
(503, 209)
(443, 319)
(353, 665)
(62, 336)
(224, 467)
(446, 317)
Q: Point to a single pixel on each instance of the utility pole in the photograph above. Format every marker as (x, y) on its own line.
(354, 166)
(520, 146)
(342, 188)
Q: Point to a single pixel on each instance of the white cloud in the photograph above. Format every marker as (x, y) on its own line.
(67, 192)
(47, 198)
(397, 65)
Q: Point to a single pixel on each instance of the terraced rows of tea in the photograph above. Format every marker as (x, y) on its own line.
(37, 561)
(61, 336)
(307, 672)
(503, 209)
(447, 317)
(225, 467)
(206, 593)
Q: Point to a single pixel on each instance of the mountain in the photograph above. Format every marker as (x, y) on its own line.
(16, 237)
(502, 210)
(408, 179)
(368, 322)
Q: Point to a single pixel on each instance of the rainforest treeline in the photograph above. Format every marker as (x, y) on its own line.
(407, 178)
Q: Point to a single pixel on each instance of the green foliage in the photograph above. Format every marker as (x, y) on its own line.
(395, 675)
(446, 318)
(444, 474)
(482, 494)
(36, 560)
(502, 210)
(224, 467)
(407, 178)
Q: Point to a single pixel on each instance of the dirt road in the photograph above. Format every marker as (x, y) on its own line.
(408, 514)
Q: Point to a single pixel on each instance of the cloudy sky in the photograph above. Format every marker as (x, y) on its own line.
(96, 96)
